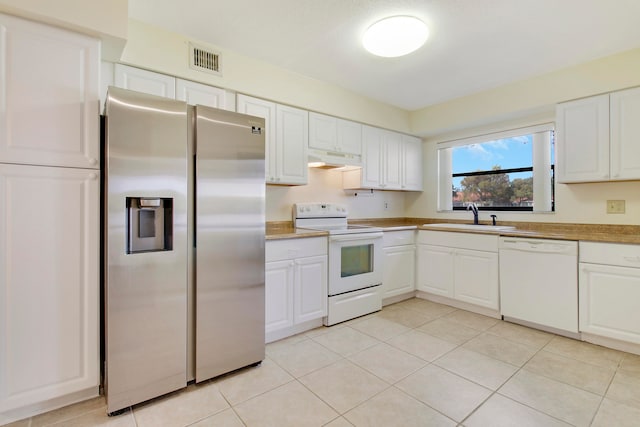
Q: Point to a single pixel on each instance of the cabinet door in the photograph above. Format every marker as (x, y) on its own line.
(435, 270)
(392, 161)
(198, 94)
(610, 301)
(372, 143)
(292, 140)
(582, 140)
(399, 270)
(411, 163)
(625, 134)
(49, 281)
(278, 295)
(310, 290)
(322, 132)
(476, 278)
(266, 110)
(349, 137)
(144, 81)
(49, 111)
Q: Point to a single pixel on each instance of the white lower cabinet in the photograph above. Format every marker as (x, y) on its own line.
(49, 282)
(476, 278)
(279, 295)
(609, 291)
(398, 274)
(295, 285)
(460, 266)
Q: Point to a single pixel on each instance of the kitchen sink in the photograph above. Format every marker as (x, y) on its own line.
(472, 227)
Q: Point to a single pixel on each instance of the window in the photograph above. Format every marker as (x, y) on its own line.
(505, 171)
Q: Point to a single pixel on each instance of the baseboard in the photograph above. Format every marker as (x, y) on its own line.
(459, 304)
(48, 405)
(292, 330)
(612, 343)
(397, 298)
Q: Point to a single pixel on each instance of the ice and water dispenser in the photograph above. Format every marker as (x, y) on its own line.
(149, 224)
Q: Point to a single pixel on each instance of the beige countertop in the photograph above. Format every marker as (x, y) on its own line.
(561, 231)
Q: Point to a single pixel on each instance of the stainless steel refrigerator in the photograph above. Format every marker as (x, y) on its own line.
(184, 224)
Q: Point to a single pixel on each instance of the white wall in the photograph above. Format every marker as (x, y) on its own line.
(521, 103)
(528, 98)
(107, 20)
(166, 52)
(326, 186)
(526, 103)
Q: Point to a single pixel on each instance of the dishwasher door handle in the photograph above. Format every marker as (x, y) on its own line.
(542, 247)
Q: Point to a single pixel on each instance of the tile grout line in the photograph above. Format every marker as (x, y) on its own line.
(604, 395)
(494, 392)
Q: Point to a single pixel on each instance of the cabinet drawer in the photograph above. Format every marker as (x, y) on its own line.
(473, 241)
(398, 238)
(276, 250)
(610, 253)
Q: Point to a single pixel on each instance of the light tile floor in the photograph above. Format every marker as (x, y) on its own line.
(415, 363)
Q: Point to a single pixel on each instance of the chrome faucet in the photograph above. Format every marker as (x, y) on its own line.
(473, 208)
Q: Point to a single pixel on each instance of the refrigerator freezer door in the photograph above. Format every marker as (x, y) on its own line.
(146, 292)
(230, 232)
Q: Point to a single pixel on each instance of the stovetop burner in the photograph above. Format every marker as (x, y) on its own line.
(330, 217)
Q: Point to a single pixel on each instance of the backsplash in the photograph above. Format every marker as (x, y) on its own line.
(326, 186)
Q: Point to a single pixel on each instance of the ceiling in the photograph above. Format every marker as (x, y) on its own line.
(474, 45)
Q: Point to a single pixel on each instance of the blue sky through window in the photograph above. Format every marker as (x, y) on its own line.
(516, 152)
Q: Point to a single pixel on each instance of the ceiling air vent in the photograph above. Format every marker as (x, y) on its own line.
(205, 60)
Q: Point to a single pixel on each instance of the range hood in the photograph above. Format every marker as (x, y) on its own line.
(333, 160)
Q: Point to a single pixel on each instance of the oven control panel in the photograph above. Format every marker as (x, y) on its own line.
(319, 210)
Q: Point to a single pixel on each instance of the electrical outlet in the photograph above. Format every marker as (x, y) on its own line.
(615, 206)
(386, 205)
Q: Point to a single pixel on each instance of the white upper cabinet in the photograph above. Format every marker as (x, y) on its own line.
(390, 161)
(292, 139)
(597, 138)
(286, 139)
(266, 110)
(625, 134)
(198, 94)
(332, 134)
(349, 137)
(158, 84)
(49, 95)
(372, 157)
(412, 163)
(144, 81)
(322, 132)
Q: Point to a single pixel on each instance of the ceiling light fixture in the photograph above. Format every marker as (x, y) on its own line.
(395, 36)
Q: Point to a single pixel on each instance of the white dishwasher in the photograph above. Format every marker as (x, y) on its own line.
(539, 283)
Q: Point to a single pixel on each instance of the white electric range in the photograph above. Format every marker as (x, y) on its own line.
(355, 260)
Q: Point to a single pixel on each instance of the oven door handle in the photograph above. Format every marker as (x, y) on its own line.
(355, 236)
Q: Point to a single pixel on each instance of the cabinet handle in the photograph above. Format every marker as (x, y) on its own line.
(632, 258)
(93, 176)
(93, 161)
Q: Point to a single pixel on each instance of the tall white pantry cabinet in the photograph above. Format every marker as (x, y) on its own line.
(49, 217)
